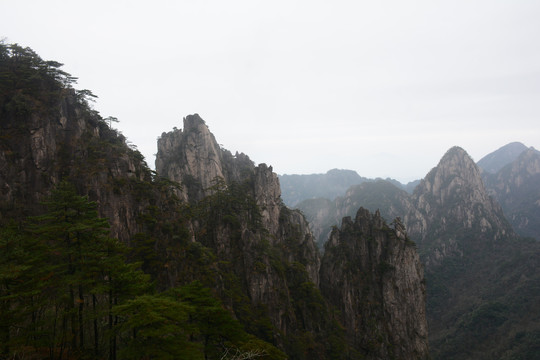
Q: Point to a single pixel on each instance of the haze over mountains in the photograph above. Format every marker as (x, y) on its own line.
(510, 174)
(483, 284)
(104, 258)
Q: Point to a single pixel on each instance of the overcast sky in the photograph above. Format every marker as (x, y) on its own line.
(380, 87)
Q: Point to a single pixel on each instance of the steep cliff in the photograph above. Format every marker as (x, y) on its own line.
(207, 223)
(482, 289)
(373, 275)
(467, 246)
(49, 133)
(38, 150)
(271, 253)
(456, 210)
(264, 250)
(192, 157)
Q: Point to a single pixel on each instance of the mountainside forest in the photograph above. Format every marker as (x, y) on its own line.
(103, 258)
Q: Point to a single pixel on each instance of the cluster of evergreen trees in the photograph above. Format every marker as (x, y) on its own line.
(68, 291)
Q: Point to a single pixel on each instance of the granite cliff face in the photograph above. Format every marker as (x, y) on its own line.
(206, 220)
(208, 173)
(466, 244)
(193, 158)
(481, 286)
(453, 202)
(268, 247)
(373, 275)
(69, 141)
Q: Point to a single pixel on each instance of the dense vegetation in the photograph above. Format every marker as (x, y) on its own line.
(67, 291)
(163, 287)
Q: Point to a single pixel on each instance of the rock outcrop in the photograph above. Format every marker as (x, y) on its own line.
(466, 244)
(477, 271)
(453, 202)
(192, 157)
(393, 307)
(373, 275)
(205, 218)
(69, 142)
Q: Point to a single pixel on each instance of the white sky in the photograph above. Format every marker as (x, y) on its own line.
(380, 87)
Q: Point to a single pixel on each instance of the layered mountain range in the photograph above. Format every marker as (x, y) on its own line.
(193, 158)
(481, 283)
(204, 219)
(341, 279)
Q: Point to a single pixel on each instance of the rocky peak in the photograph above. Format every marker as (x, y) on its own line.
(452, 200)
(193, 158)
(528, 162)
(455, 174)
(191, 154)
(367, 251)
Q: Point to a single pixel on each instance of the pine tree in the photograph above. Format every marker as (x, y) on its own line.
(88, 276)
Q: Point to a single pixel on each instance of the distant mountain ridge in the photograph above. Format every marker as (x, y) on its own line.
(482, 279)
(296, 188)
(495, 161)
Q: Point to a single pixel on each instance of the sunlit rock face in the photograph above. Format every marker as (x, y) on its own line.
(372, 274)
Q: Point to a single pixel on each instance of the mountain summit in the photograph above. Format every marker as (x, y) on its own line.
(454, 202)
(495, 161)
(482, 283)
(271, 251)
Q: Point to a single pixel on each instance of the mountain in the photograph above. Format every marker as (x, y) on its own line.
(482, 287)
(495, 161)
(271, 250)
(369, 252)
(379, 195)
(477, 270)
(103, 258)
(454, 205)
(516, 186)
(296, 188)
